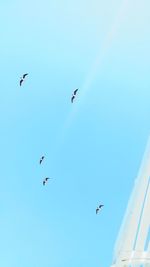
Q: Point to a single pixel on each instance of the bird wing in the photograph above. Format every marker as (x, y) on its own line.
(75, 91)
(21, 82)
(72, 99)
(24, 75)
(43, 182)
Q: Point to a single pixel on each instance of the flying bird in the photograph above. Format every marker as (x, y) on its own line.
(22, 78)
(46, 180)
(98, 208)
(42, 158)
(74, 94)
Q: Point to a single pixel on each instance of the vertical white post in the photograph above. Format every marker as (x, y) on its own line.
(133, 244)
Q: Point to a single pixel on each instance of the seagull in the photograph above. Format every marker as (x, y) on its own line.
(22, 78)
(21, 81)
(41, 159)
(74, 94)
(98, 208)
(24, 75)
(45, 180)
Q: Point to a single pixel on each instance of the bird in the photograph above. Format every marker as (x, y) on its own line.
(24, 75)
(72, 98)
(21, 81)
(22, 78)
(98, 208)
(45, 180)
(74, 94)
(42, 158)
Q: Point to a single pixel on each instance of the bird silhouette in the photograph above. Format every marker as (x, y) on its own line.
(21, 81)
(74, 94)
(98, 208)
(42, 158)
(46, 180)
(24, 75)
(22, 78)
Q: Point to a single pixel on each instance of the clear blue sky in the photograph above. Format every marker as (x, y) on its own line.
(93, 148)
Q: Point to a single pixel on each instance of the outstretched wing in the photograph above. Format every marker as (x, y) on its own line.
(21, 81)
(72, 98)
(75, 91)
(24, 75)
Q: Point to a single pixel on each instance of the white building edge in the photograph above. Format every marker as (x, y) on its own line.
(132, 247)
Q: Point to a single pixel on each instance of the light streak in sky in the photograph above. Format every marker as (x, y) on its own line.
(97, 64)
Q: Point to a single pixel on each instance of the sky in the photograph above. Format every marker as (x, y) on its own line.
(93, 148)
